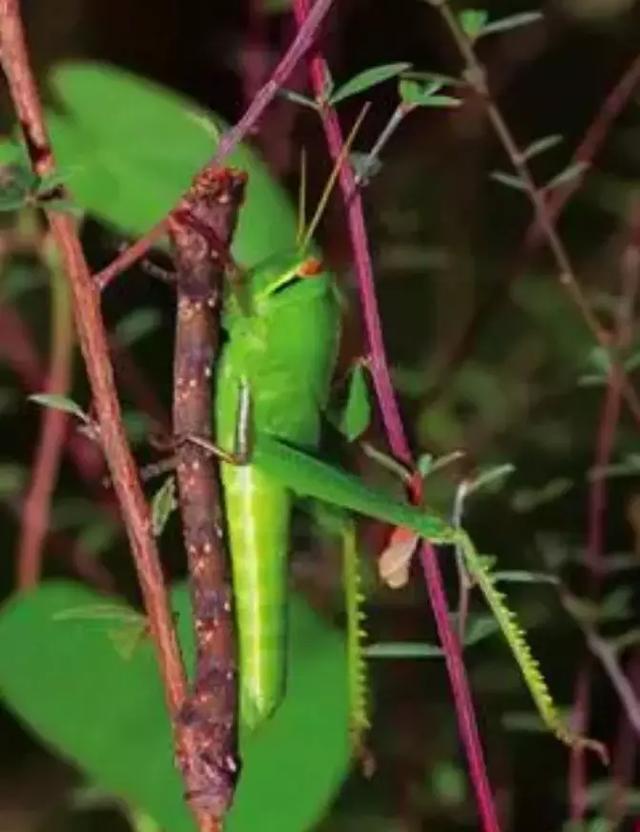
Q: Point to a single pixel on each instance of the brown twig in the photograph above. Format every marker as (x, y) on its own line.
(302, 41)
(201, 229)
(37, 505)
(94, 347)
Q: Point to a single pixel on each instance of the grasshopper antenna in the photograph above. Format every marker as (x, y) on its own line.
(324, 199)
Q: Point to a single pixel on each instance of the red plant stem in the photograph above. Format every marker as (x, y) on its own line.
(93, 343)
(37, 505)
(608, 423)
(319, 73)
(301, 43)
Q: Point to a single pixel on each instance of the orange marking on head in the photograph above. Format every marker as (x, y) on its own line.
(310, 268)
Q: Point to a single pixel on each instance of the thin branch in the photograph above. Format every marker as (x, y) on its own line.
(598, 491)
(476, 77)
(584, 155)
(37, 505)
(301, 43)
(319, 74)
(94, 347)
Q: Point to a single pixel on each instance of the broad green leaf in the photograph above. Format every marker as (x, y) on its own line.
(135, 146)
(512, 22)
(472, 22)
(58, 402)
(357, 412)
(65, 679)
(367, 79)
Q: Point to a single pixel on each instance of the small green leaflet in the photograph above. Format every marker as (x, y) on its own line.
(367, 79)
(58, 402)
(541, 146)
(472, 22)
(357, 412)
(425, 94)
(163, 504)
(512, 22)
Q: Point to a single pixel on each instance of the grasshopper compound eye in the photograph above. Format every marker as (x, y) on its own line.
(310, 268)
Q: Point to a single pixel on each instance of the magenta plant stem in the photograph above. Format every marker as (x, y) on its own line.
(394, 428)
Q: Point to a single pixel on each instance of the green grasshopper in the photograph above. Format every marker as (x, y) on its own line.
(283, 348)
(282, 351)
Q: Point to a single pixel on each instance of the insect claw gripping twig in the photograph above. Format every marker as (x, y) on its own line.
(201, 229)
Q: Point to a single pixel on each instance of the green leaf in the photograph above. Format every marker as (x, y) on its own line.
(423, 93)
(136, 325)
(403, 650)
(479, 628)
(357, 412)
(163, 504)
(512, 22)
(521, 576)
(541, 146)
(472, 22)
(131, 184)
(491, 478)
(58, 402)
(367, 79)
(508, 179)
(68, 683)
